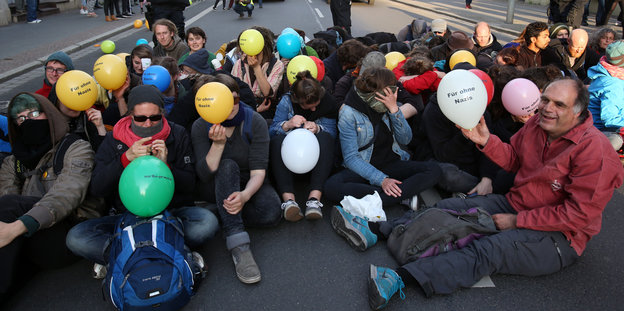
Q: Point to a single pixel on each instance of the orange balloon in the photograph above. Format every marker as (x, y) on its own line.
(214, 102)
(138, 23)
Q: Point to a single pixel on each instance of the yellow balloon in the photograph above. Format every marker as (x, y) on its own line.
(76, 90)
(298, 64)
(122, 55)
(110, 71)
(251, 42)
(214, 102)
(138, 23)
(460, 57)
(147, 25)
(393, 59)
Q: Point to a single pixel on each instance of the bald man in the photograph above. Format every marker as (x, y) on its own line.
(569, 54)
(484, 40)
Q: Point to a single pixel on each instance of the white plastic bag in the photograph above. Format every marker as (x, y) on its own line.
(369, 207)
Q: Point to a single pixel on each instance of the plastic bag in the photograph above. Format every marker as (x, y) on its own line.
(369, 207)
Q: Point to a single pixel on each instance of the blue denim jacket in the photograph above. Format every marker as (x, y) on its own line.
(356, 130)
(285, 112)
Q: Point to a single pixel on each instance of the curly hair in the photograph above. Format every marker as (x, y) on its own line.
(533, 30)
(350, 52)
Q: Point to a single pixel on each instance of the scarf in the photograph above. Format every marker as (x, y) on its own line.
(238, 118)
(356, 102)
(327, 108)
(614, 71)
(123, 132)
(33, 141)
(371, 100)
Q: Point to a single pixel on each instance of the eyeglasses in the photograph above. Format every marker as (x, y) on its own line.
(59, 71)
(438, 32)
(31, 115)
(154, 118)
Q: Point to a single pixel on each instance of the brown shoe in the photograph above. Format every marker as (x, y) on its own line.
(113, 17)
(108, 18)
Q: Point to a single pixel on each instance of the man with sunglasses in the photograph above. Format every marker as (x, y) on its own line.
(55, 66)
(38, 202)
(145, 131)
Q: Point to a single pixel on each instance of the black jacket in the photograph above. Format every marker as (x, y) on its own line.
(557, 54)
(493, 46)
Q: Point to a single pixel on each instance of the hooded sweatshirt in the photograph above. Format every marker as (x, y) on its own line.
(176, 50)
(60, 195)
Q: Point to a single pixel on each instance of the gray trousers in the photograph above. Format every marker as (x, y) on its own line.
(519, 251)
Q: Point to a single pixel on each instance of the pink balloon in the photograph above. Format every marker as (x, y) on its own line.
(520, 97)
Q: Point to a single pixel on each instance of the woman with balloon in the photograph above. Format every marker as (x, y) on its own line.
(231, 143)
(372, 131)
(259, 68)
(144, 135)
(310, 107)
(141, 58)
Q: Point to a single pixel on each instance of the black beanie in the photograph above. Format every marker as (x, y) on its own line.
(145, 94)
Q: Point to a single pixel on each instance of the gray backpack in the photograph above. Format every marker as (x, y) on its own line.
(432, 231)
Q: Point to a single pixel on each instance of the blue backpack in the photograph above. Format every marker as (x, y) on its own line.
(149, 266)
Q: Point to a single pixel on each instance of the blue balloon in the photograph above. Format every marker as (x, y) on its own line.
(141, 41)
(157, 76)
(289, 30)
(288, 45)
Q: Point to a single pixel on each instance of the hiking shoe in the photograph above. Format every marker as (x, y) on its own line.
(382, 284)
(313, 209)
(99, 271)
(292, 212)
(247, 270)
(353, 228)
(412, 202)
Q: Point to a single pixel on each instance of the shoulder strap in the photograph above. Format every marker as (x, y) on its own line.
(59, 155)
(247, 124)
(370, 143)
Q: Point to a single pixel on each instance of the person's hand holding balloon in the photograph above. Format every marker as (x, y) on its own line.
(217, 134)
(311, 126)
(479, 134)
(159, 149)
(295, 122)
(138, 149)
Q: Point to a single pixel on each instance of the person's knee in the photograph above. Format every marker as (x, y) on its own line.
(227, 167)
(199, 225)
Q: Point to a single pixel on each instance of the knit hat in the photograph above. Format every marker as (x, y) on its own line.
(23, 102)
(554, 29)
(62, 58)
(615, 53)
(460, 40)
(198, 61)
(373, 59)
(438, 25)
(145, 94)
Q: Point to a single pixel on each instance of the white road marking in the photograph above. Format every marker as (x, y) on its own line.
(318, 12)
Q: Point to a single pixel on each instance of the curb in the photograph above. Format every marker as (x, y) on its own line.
(10, 74)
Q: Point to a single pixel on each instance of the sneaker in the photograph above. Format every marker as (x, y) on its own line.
(199, 261)
(247, 270)
(83, 12)
(99, 271)
(353, 228)
(382, 284)
(618, 23)
(36, 21)
(126, 15)
(292, 212)
(120, 16)
(412, 203)
(313, 209)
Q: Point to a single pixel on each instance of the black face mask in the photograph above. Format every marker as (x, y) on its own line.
(32, 142)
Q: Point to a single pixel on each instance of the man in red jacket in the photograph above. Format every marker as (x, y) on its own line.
(56, 65)
(566, 173)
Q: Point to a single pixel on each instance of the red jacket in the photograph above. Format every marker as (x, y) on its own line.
(44, 90)
(563, 185)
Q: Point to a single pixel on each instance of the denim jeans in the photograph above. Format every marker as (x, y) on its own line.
(517, 251)
(262, 210)
(415, 177)
(31, 12)
(90, 239)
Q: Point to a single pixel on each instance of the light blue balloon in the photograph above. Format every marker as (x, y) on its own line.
(157, 76)
(288, 45)
(289, 30)
(141, 41)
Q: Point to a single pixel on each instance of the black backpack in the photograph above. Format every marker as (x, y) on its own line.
(432, 231)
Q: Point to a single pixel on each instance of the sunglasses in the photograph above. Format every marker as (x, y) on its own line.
(154, 118)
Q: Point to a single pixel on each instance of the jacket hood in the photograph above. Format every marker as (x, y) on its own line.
(58, 124)
(597, 71)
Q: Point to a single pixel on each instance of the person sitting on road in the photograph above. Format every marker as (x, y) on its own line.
(598, 42)
(606, 92)
(559, 31)
(145, 131)
(372, 130)
(457, 40)
(196, 40)
(536, 39)
(232, 164)
(263, 73)
(176, 91)
(55, 66)
(484, 40)
(439, 30)
(141, 58)
(415, 30)
(307, 106)
(37, 206)
(345, 58)
(570, 54)
(169, 43)
(566, 173)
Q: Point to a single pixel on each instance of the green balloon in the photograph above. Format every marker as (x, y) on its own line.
(107, 46)
(146, 186)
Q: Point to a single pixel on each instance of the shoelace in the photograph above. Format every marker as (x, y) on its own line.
(398, 284)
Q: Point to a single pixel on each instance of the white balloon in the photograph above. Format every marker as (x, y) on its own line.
(462, 98)
(300, 151)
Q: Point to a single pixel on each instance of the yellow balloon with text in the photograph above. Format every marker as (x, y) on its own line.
(110, 71)
(214, 102)
(76, 90)
(251, 42)
(298, 64)
(393, 59)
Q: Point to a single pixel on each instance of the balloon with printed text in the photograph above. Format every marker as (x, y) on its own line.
(462, 98)
(146, 186)
(77, 90)
(298, 64)
(157, 76)
(110, 71)
(214, 102)
(521, 97)
(251, 42)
